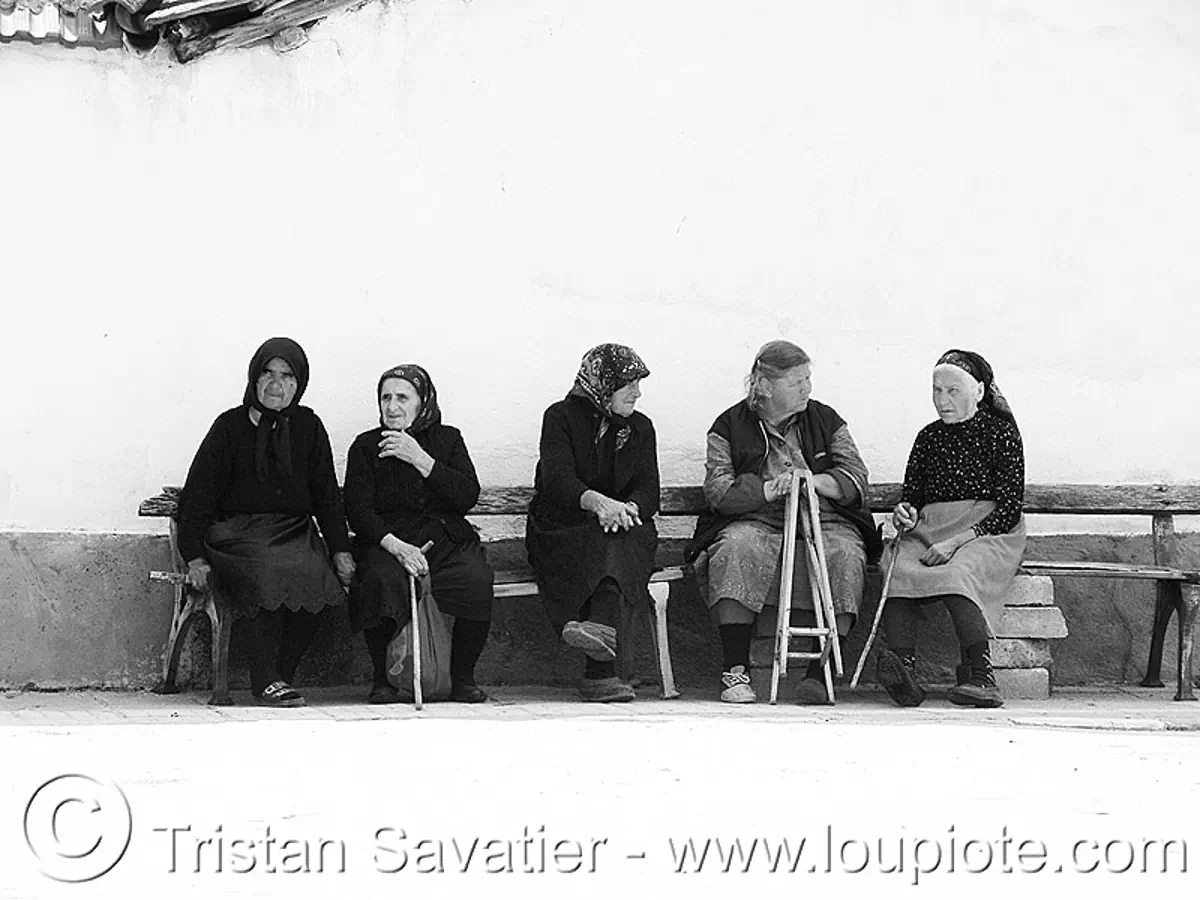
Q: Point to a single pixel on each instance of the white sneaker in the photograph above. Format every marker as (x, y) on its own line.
(737, 687)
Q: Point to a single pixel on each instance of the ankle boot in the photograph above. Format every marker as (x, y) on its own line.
(980, 689)
(897, 672)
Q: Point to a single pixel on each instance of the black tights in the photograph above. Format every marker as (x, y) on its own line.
(901, 615)
(277, 641)
(466, 645)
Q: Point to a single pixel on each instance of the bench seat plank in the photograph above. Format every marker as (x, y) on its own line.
(1109, 570)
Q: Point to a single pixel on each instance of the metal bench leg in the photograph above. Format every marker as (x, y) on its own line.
(1189, 606)
(660, 592)
(221, 618)
(1168, 600)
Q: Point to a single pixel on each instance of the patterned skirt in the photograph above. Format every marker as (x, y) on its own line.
(744, 564)
(267, 561)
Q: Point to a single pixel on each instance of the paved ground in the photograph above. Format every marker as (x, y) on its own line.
(536, 795)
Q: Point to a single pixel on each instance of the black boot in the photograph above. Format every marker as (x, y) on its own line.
(897, 672)
(980, 688)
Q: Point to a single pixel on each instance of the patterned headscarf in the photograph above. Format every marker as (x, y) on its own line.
(430, 413)
(979, 369)
(604, 371)
(274, 426)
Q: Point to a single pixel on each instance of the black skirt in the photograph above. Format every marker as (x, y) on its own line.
(268, 560)
(460, 578)
(571, 561)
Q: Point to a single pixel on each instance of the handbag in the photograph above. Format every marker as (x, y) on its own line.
(435, 650)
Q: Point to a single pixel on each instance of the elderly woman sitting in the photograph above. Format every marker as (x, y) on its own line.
(753, 449)
(261, 474)
(409, 482)
(964, 532)
(590, 533)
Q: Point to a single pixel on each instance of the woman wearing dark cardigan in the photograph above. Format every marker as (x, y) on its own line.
(590, 533)
(263, 471)
(409, 482)
(964, 533)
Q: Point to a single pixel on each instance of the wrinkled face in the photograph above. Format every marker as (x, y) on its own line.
(276, 386)
(789, 393)
(624, 400)
(399, 404)
(956, 394)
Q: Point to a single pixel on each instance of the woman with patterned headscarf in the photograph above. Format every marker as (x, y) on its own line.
(260, 476)
(409, 482)
(752, 450)
(963, 530)
(590, 533)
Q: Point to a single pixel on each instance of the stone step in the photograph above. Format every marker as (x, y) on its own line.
(1031, 590)
(1031, 622)
(1014, 684)
(1020, 653)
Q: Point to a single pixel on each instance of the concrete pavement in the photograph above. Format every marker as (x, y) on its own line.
(537, 795)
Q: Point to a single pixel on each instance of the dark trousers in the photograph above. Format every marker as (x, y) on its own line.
(902, 615)
(277, 642)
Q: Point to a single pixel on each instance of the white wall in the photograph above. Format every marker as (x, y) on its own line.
(491, 188)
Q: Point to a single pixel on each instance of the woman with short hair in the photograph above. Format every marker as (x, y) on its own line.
(590, 533)
(753, 448)
(409, 482)
(260, 476)
(963, 530)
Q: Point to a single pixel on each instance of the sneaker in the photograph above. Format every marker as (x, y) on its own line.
(896, 674)
(598, 641)
(736, 686)
(606, 690)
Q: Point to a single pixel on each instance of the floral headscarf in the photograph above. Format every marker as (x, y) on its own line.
(431, 413)
(604, 370)
(274, 426)
(979, 369)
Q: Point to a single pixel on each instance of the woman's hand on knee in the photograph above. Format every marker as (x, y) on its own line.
(613, 515)
(198, 574)
(940, 553)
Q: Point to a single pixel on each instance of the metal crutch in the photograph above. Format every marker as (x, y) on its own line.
(783, 622)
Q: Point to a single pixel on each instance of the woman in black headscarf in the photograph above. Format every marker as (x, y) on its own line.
(263, 471)
(590, 532)
(964, 532)
(411, 482)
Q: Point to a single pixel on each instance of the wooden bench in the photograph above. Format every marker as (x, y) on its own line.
(500, 513)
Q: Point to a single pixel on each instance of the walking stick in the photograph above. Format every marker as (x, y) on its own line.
(416, 633)
(887, 580)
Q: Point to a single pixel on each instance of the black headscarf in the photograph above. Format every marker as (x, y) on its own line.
(979, 369)
(431, 413)
(604, 370)
(274, 427)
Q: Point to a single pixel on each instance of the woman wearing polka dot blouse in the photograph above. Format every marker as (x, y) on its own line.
(964, 533)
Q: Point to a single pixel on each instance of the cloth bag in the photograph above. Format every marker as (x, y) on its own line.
(435, 650)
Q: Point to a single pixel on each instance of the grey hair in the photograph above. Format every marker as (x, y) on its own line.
(773, 359)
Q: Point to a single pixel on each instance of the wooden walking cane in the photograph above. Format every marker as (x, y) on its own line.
(887, 581)
(416, 632)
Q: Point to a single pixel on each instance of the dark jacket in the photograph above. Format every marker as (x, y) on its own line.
(742, 428)
(386, 495)
(223, 480)
(568, 464)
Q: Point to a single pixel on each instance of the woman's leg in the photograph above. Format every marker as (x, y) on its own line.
(735, 625)
(299, 627)
(979, 689)
(462, 586)
(377, 639)
(600, 682)
(262, 637)
(896, 667)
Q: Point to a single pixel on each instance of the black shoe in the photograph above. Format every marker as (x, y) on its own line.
(898, 676)
(962, 674)
(468, 692)
(979, 690)
(383, 693)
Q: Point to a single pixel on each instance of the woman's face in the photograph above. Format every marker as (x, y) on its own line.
(399, 404)
(789, 392)
(956, 394)
(624, 400)
(276, 386)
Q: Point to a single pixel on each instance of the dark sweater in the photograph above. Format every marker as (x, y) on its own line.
(979, 459)
(389, 496)
(222, 481)
(571, 462)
